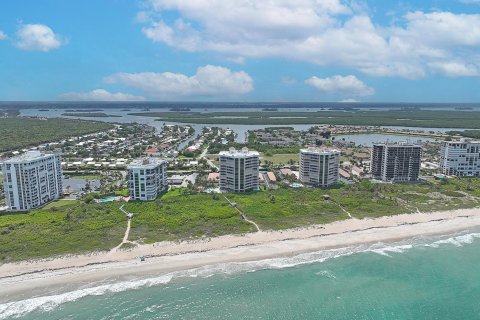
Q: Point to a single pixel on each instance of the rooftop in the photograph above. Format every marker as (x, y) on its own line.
(148, 162)
(28, 156)
(271, 176)
(238, 153)
(464, 140)
(319, 150)
(286, 171)
(397, 144)
(213, 176)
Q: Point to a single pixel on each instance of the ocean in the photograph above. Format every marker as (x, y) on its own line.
(422, 278)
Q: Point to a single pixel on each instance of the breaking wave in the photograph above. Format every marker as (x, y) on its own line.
(17, 309)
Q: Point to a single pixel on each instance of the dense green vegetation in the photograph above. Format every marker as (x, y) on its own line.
(269, 150)
(179, 215)
(20, 132)
(75, 227)
(416, 118)
(287, 208)
(60, 228)
(283, 209)
(475, 134)
(89, 114)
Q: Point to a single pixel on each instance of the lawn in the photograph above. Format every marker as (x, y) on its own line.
(87, 176)
(281, 158)
(214, 158)
(60, 203)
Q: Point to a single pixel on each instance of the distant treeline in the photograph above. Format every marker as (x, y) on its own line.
(475, 134)
(224, 105)
(84, 110)
(417, 118)
(89, 114)
(20, 132)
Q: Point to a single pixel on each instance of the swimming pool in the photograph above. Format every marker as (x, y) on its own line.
(108, 199)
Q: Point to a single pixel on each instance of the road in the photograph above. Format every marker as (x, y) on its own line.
(203, 155)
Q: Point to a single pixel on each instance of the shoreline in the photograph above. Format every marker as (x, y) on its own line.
(25, 279)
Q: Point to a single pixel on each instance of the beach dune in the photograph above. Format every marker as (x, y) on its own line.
(37, 277)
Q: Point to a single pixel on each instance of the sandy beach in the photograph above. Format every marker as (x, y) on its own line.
(29, 278)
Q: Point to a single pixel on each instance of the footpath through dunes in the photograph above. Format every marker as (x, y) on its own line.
(76, 227)
(41, 276)
(125, 240)
(242, 214)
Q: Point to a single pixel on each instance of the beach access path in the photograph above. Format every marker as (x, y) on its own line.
(47, 275)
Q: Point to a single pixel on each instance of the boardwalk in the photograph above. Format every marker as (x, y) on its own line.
(242, 214)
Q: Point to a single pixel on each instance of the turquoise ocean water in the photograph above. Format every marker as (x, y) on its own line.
(424, 278)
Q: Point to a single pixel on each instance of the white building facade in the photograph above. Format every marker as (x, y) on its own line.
(239, 170)
(32, 180)
(319, 167)
(460, 158)
(147, 178)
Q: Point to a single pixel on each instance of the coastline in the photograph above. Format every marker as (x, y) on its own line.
(25, 279)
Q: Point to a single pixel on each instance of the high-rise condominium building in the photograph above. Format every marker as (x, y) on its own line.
(31, 180)
(319, 167)
(460, 158)
(396, 162)
(147, 178)
(239, 170)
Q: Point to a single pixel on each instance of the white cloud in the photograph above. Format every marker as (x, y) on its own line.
(349, 100)
(37, 37)
(100, 95)
(455, 69)
(3, 36)
(237, 60)
(349, 85)
(207, 81)
(287, 80)
(142, 17)
(323, 32)
(440, 30)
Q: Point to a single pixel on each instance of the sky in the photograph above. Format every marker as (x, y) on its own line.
(243, 50)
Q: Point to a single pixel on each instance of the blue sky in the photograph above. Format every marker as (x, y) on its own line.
(220, 50)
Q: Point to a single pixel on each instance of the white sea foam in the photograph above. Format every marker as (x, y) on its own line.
(457, 241)
(385, 251)
(47, 303)
(326, 274)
